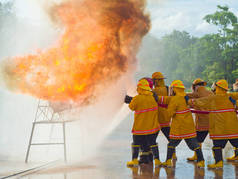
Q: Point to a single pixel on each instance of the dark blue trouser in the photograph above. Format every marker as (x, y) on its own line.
(146, 142)
(192, 144)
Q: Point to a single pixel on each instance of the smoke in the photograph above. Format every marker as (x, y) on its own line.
(78, 51)
(98, 44)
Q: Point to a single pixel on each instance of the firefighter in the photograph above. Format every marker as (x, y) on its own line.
(161, 90)
(146, 126)
(182, 124)
(201, 120)
(223, 123)
(235, 156)
(146, 156)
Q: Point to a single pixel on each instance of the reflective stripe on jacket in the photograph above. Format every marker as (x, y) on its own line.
(182, 125)
(223, 123)
(163, 117)
(146, 114)
(201, 120)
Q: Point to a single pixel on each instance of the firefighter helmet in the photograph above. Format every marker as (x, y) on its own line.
(177, 84)
(222, 84)
(157, 75)
(144, 84)
(199, 81)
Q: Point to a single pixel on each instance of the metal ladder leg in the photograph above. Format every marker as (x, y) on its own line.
(51, 132)
(65, 157)
(29, 145)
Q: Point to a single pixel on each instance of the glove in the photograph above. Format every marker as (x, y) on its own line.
(128, 99)
(186, 98)
(232, 100)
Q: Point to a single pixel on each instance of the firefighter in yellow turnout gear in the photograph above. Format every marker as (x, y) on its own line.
(182, 124)
(223, 123)
(201, 120)
(161, 90)
(146, 126)
(235, 156)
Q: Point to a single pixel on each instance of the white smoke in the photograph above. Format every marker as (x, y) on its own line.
(24, 28)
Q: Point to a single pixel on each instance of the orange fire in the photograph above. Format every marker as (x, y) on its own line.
(100, 40)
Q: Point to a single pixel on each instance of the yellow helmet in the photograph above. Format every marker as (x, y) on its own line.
(222, 84)
(144, 84)
(177, 84)
(157, 75)
(198, 81)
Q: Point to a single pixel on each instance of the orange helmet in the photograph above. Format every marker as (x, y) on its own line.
(222, 84)
(157, 75)
(144, 84)
(177, 84)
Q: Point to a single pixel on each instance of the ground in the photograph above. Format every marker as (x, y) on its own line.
(110, 163)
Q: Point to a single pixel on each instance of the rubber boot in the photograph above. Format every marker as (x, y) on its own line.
(201, 164)
(157, 163)
(155, 151)
(194, 157)
(168, 163)
(170, 152)
(135, 152)
(216, 165)
(200, 157)
(234, 157)
(217, 152)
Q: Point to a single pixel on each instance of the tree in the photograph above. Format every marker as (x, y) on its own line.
(227, 37)
(212, 57)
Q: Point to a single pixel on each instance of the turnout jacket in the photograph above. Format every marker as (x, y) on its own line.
(145, 113)
(163, 116)
(201, 120)
(223, 123)
(182, 124)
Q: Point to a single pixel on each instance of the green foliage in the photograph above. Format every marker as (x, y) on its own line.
(211, 57)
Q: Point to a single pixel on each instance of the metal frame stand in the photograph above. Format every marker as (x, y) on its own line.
(46, 115)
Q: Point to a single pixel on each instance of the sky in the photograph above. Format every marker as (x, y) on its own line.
(166, 15)
(187, 15)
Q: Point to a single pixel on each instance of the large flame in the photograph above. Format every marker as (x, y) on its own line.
(100, 41)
